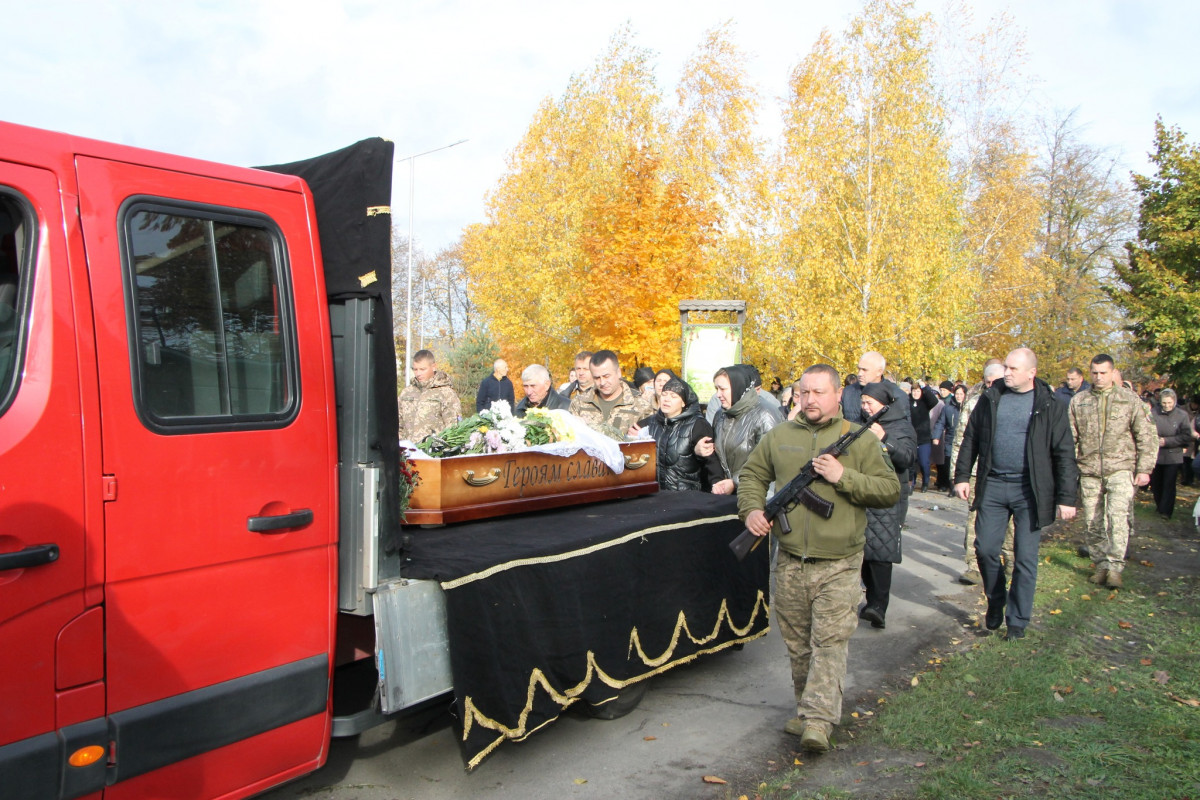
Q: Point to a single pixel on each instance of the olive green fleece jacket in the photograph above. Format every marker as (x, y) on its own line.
(868, 481)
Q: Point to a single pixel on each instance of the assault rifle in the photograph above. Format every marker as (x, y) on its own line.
(798, 491)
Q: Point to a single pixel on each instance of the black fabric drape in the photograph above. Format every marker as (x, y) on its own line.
(574, 604)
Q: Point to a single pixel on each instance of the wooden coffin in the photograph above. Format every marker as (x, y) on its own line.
(477, 487)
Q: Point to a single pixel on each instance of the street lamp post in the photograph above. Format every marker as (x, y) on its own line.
(408, 293)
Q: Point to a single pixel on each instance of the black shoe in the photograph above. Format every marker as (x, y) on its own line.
(993, 619)
(1014, 633)
(874, 616)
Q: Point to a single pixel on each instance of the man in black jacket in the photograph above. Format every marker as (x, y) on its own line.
(1021, 437)
(539, 393)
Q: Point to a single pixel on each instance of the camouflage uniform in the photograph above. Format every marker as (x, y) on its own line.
(628, 409)
(428, 408)
(1114, 441)
(818, 571)
(969, 539)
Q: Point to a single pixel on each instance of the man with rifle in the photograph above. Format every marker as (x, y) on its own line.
(821, 538)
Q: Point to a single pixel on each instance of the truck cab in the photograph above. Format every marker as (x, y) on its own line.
(168, 474)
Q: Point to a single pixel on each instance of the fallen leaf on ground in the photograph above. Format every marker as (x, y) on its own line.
(581, 781)
(1146, 563)
(714, 779)
(1161, 677)
(1058, 697)
(915, 680)
(1147, 662)
(862, 763)
(649, 738)
(1123, 625)
(919, 764)
(1056, 611)
(1187, 701)
(1085, 597)
(798, 762)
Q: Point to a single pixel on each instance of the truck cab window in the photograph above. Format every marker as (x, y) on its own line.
(211, 317)
(17, 230)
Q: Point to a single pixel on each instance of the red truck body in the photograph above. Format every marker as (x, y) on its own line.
(168, 483)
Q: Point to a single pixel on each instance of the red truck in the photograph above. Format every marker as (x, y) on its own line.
(197, 462)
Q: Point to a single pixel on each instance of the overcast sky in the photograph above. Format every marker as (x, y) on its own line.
(262, 82)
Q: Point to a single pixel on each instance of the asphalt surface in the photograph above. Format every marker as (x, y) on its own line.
(721, 716)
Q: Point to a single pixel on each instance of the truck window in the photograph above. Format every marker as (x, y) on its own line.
(17, 231)
(211, 319)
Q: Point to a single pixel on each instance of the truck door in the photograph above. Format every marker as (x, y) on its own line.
(42, 554)
(218, 442)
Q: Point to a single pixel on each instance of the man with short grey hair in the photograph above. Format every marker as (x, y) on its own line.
(535, 380)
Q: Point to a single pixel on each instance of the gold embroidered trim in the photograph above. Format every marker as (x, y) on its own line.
(521, 562)
(473, 716)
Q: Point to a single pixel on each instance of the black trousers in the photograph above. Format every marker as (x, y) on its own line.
(877, 577)
(1162, 486)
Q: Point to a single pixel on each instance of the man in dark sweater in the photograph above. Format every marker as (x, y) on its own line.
(1021, 437)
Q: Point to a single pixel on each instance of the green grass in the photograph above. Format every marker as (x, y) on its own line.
(1093, 703)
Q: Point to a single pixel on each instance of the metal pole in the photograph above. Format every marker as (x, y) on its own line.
(412, 160)
(408, 294)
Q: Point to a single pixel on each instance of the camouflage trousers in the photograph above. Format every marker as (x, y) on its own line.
(1107, 506)
(816, 606)
(969, 539)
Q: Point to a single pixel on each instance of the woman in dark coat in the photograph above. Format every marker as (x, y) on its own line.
(1174, 433)
(676, 427)
(882, 547)
(943, 434)
(924, 398)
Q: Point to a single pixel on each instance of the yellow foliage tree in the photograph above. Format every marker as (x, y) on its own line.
(869, 255)
(644, 246)
(526, 265)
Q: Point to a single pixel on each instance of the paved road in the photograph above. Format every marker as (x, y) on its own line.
(722, 715)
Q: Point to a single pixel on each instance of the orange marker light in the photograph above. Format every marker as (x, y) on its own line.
(85, 756)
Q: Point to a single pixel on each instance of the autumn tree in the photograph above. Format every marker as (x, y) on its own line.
(719, 156)
(1086, 217)
(614, 207)
(870, 253)
(981, 72)
(527, 267)
(1161, 271)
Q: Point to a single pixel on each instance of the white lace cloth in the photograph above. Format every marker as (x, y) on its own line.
(589, 441)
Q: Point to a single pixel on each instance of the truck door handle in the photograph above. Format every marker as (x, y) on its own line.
(32, 556)
(296, 519)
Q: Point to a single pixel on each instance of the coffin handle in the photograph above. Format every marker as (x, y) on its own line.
(637, 463)
(469, 476)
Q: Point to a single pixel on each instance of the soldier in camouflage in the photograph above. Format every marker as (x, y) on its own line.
(1116, 446)
(429, 403)
(993, 369)
(609, 405)
(817, 574)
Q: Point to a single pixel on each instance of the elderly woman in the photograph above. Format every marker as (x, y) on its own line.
(677, 427)
(1174, 433)
(882, 548)
(740, 423)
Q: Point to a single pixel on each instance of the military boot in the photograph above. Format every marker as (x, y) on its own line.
(1113, 580)
(1099, 577)
(815, 739)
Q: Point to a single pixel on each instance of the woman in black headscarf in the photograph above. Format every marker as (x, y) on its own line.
(739, 424)
(882, 547)
(677, 427)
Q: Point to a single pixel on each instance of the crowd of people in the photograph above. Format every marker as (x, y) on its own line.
(1020, 452)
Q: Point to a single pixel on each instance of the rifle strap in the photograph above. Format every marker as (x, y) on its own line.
(845, 426)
